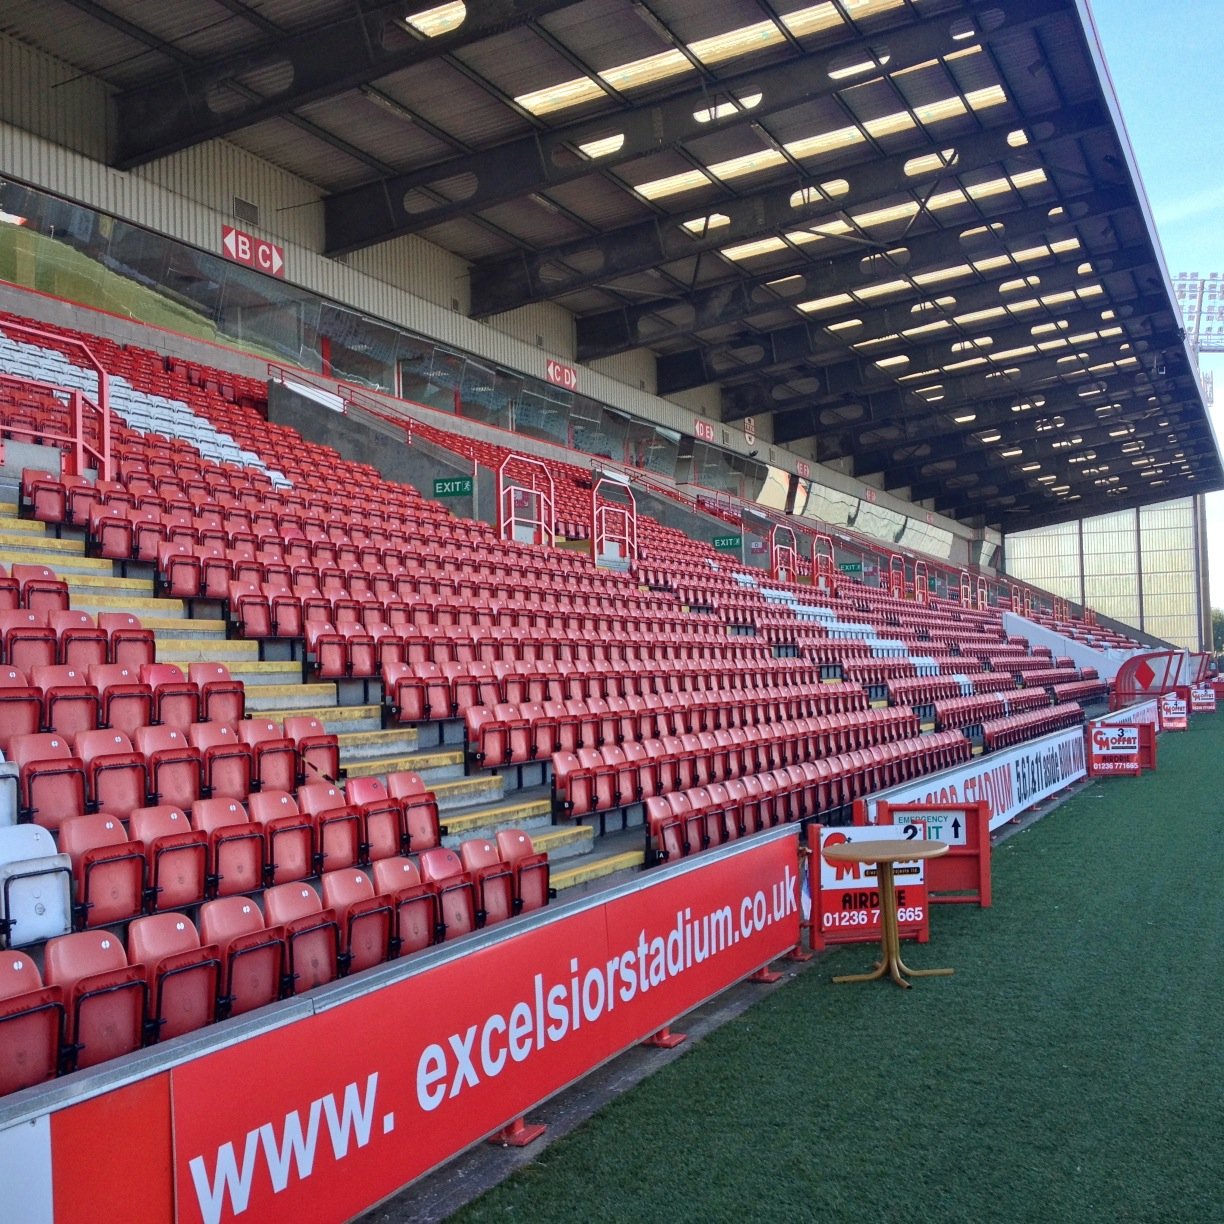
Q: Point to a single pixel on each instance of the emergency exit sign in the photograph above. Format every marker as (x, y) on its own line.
(728, 543)
(457, 486)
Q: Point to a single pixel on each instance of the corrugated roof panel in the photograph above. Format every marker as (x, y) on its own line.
(459, 106)
(286, 145)
(392, 137)
(86, 43)
(599, 203)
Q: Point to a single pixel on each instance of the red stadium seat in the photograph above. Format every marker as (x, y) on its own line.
(222, 699)
(31, 1024)
(252, 956)
(27, 641)
(318, 751)
(108, 869)
(176, 701)
(381, 816)
(183, 977)
(126, 702)
(82, 643)
(131, 645)
(417, 922)
(312, 935)
(235, 847)
(20, 706)
(174, 766)
(456, 894)
(365, 918)
(104, 996)
(176, 857)
(51, 781)
(492, 878)
(70, 704)
(422, 829)
(337, 825)
(274, 755)
(289, 836)
(531, 870)
(225, 760)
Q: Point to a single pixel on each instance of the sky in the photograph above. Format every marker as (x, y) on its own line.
(1166, 59)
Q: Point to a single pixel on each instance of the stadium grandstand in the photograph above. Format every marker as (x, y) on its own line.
(476, 482)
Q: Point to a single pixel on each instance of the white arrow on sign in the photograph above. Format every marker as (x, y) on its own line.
(228, 240)
(277, 261)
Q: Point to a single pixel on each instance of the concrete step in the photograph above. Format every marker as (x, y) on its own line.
(65, 566)
(564, 842)
(269, 698)
(594, 868)
(530, 815)
(339, 719)
(232, 652)
(20, 533)
(198, 630)
(255, 674)
(88, 586)
(361, 746)
(142, 606)
(442, 764)
(462, 794)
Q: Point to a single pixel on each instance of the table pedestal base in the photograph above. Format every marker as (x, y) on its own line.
(890, 963)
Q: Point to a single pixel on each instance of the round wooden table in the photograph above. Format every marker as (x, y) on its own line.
(884, 854)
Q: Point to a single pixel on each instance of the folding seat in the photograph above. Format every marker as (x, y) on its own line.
(235, 847)
(222, 699)
(380, 816)
(707, 818)
(312, 935)
(326, 650)
(10, 592)
(183, 976)
(225, 760)
(20, 706)
(530, 869)
(31, 1024)
(692, 820)
(42, 590)
(35, 886)
(457, 908)
(574, 784)
(636, 756)
(115, 774)
(215, 571)
(104, 996)
(416, 917)
(148, 534)
(338, 829)
(131, 645)
(365, 918)
(175, 767)
(124, 702)
(251, 956)
(108, 869)
(388, 644)
(665, 830)
(422, 829)
(70, 704)
(27, 640)
(318, 750)
(51, 781)
(492, 879)
(109, 533)
(274, 754)
(80, 642)
(43, 496)
(739, 818)
(176, 857)
(176, 701)
(289, 836)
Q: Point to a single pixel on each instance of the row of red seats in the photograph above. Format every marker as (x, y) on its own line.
(682, 822)
(590, 780)
(63, 776)
(1016, 728)
(424, 691)
(40, 639)
(97, 999)
(159, 858)
(67, 700)
(1085, 690)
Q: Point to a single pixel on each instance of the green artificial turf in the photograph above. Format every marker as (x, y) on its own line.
(1071, 1070)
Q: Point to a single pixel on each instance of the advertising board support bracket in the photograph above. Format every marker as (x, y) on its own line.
(766, 976)
(665, 1039)
(519, 1133)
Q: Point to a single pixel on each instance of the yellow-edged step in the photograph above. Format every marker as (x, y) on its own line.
(598, 869)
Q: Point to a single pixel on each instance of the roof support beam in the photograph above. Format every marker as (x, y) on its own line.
(812, 343)
(505, 284)
(377, 211)
(616, 331)
(202, 103)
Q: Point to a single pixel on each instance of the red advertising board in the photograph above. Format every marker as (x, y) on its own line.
(257, 253)
(322, 1118)
(1120, 749)
(1175, 709)
(1202, 699)
(963, 874)
(846, 905)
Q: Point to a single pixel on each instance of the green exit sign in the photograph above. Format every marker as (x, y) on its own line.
(457, 486)
(850, 567)
(728, 543)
